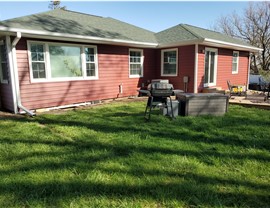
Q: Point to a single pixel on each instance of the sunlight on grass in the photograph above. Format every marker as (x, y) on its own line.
(109, 156)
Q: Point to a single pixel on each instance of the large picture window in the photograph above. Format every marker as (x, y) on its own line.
(235, 62)
(169, 60)
(65, 61)
(3, 63)
(62, 62)
(135, 63)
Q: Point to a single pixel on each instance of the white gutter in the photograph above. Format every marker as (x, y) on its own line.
(73, 37)
(224, 44)
(16, 76)
(196, 69)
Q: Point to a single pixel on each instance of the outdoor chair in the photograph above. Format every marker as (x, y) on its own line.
(236, 89)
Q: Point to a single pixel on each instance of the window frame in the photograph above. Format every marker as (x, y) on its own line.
(237, 62)
(49, 78)
(141, 63)
(3, 81)
(162, 62)
(30, 62)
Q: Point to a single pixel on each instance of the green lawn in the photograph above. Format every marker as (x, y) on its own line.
(108, 156)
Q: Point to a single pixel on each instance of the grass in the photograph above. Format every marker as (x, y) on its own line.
(108, 156)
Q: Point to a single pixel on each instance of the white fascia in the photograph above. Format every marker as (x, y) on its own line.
(223, 44)
(73, 37)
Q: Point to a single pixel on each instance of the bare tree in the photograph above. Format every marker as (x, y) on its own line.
(254, 27)
(56, 5)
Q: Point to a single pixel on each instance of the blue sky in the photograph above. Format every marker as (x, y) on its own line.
(154, 16)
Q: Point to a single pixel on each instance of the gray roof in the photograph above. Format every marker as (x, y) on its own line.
(69, 22)
(175, 34)
(74, 23)
(184, 32)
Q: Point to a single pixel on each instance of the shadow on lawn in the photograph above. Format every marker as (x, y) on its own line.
(199, 130)
(190, 187)
(194, 189)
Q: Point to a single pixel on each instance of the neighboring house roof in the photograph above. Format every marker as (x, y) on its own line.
(68, 24)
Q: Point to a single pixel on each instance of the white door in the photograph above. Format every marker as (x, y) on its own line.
(210, 67)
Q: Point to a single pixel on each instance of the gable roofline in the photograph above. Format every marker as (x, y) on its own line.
(216, 41)
(193, 33)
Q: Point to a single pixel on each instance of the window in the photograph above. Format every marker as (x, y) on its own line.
(169, 62)
(65, 61)
(235, 61)
(3, 63)
(90, 59)
(38, 61)
(62, 62)
(135, 63)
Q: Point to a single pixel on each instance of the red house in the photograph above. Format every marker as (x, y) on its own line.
(62, 57)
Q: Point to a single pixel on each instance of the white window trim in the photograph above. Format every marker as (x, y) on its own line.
(3, 81)
(162, 62)
(48, 65)
(215, 69)
(142, 61)
(237, 67)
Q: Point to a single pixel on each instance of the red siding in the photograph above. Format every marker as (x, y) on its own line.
(186, 63)
(224, 68)
(113, 66)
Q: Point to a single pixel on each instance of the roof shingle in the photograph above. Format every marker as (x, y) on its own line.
(69, 22)
(74, 23)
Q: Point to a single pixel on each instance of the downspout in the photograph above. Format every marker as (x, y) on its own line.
(16, 76)
(10, 64)
(196, 69)
(247, 87)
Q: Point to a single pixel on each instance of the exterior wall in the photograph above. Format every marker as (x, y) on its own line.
(224, 68)
(186, 62)
(113, 69)
(6, 97)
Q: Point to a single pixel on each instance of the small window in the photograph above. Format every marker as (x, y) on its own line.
(135, 63)
(235, 62)
(3, 63)
(169, 62)
(90, 59)
(38, 61)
